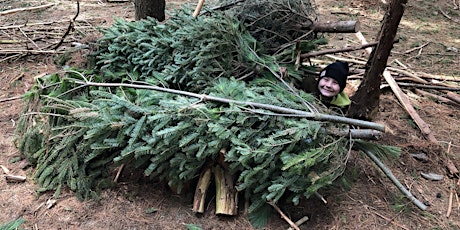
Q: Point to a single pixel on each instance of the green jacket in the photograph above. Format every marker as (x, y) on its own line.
(310, 85)
(340, 100)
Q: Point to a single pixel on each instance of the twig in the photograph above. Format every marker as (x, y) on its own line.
(10, 99)
(227, 6)
(451, 197)
(25, 35)
(333, 51)
(429, 86)
(453, 97)
(71, 23)
(436, 97)
(424, 128)
(293, 225)
(447, 16)
(390, 220)
(416, 48)
(300, 222)
(285, 111)
(26, 9)
(198, 8)
(395, 181)
(120, 169)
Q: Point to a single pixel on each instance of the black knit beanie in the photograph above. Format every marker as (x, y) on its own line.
(338, 71)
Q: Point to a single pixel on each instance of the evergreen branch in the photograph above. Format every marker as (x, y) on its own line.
(292, 112)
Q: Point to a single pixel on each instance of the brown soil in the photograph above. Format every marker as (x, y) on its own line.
(371, 201)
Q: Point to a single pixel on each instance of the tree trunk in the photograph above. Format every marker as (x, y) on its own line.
(150, 8)
(365, 102)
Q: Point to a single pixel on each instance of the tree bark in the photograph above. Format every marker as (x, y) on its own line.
(150, 8)
(365, 102)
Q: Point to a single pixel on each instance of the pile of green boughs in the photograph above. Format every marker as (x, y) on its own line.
(74, 133)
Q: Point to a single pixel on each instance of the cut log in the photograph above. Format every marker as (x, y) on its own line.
(336, 27)
(226, 193)
(201, 190)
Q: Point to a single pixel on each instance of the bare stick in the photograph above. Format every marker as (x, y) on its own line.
(293, 225)
(402, 97)
(395, 181)
(30, 52)
(435, 97)
(390, 220)
(429, 86)
(198, 8)
(5, 169)
(26, 9)
(285, 111)
(10, 99)
(416, 48)
(118, 173)
(71, 23)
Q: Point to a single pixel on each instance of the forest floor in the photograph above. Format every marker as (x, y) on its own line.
(429, 39)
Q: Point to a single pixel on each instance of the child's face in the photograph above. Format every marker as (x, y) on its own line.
(328, 87)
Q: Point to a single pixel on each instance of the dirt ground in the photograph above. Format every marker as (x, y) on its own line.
(429, 39)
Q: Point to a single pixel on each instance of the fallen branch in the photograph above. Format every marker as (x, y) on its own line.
(198, 8)
(26, 9)
(439, 77)
(293, 225)
(336, 27)
(453, 97)
(10, 99)
(435, 97)
(395, 181)
(284, 111)
(429, 86)
(30, 52)
(333, 51)
(13, 178)
(70, 27)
